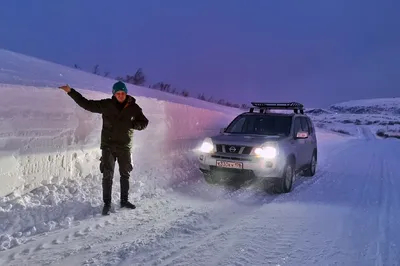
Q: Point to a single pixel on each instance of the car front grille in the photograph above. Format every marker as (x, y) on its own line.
(233, 149)
(230, 158)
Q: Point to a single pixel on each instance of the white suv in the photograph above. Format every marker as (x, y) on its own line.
(264, 146)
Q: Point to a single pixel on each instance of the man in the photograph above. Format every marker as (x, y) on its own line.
(121, 116)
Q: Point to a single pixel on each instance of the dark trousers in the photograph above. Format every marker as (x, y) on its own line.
(107, 165)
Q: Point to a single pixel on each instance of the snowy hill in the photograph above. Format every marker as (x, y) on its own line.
(381, 116)
(369, 106)
(50, 193)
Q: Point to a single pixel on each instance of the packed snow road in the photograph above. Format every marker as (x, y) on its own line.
(348, 214)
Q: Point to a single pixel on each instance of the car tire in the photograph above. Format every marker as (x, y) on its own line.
(312, 167)
(285, 183)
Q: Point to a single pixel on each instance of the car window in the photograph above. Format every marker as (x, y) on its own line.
(297, 125)
(304, 125)
(261, 125)
(310, 125)
(238, 125)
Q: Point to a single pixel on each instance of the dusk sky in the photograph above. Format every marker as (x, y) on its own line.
(317, 52)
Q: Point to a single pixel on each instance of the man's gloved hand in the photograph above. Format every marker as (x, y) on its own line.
(65, 88)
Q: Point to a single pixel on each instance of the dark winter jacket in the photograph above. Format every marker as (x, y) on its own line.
(119, 120)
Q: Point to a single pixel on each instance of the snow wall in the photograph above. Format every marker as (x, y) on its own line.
(46, 138)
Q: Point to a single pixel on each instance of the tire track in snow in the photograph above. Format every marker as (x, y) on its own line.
(381, 249)
(140, 226)
(362, 193)
(47, 251)
(187, 234)
(368, 224)
(386, 249)
(323, 170)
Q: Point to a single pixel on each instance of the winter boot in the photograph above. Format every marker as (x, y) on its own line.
(106, 209)
(127, 204)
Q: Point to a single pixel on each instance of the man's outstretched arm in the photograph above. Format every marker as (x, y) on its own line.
(94, 106)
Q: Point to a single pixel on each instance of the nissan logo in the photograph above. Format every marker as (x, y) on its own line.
(232, 149)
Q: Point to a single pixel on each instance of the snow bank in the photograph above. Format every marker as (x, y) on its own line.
(46, 138)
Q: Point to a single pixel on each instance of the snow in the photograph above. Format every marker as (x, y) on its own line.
(383, 103)
(50, 193)
(380, 115)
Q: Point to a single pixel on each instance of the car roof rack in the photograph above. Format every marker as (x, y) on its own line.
(295, 106)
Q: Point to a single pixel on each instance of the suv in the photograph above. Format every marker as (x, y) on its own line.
(264, 146)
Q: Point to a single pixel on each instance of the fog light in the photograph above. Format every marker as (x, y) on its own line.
(201, 157)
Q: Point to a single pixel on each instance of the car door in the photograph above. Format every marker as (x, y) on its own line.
(299, 144)
(312, 133)
(308, 142)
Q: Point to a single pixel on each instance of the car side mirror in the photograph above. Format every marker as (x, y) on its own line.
(222, 130)
(302, 135)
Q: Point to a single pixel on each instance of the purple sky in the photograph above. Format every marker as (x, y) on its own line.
(317, 52)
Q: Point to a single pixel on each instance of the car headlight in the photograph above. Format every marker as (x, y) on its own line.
(267, 152)
(207, 146)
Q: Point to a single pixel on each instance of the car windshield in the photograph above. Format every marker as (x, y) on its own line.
(261, 125)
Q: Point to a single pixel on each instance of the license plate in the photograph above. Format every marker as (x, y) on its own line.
(225, 164)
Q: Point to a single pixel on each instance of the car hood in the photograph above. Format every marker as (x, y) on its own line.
(245, 140)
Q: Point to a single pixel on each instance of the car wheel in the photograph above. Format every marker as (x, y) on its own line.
(311, 169)
(285, 183)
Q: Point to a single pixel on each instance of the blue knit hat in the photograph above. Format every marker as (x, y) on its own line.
(119, 86)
